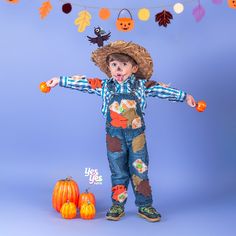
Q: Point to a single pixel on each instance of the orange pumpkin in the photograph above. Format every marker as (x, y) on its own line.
(44, 88)
(232, 4)
(201, 106)
(125, 24)
(68, 210)
(85, 197)
(64, 190)
(87, 211)
(12, 1)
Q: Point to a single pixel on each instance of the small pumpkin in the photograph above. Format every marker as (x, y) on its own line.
(64, 190)
(87, 211)
(85, 197)
(68, 210)
(201, 106)
(124, 24)
(44, 88)
(232, 4)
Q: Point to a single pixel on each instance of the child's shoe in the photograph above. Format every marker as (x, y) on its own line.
(115, 212)
(149, 213)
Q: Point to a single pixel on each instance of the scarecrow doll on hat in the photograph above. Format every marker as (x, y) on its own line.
(129, 68)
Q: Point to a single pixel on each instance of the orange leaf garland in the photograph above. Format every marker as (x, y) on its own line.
(45, 9)
(13, 1)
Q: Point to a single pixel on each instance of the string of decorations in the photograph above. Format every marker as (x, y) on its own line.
(126, 24)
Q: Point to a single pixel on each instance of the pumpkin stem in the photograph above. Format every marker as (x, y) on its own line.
(68, 178)
(86, 190)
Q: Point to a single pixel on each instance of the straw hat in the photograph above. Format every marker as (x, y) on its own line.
(137, 52)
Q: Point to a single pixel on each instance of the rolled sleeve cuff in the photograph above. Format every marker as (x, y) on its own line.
(63, 81)
(182, 96)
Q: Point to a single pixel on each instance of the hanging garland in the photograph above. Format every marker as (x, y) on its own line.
(125, 24)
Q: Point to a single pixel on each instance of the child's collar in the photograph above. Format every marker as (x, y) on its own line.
(130, 78)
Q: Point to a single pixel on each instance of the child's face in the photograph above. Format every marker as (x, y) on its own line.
(120, 71)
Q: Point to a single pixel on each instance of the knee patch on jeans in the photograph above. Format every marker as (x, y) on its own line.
(113, 143)
(140, 166)
(138, 142)
(119, 193)
(142, 186)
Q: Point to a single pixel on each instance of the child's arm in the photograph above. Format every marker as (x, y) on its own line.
(90, 85)
(155, 89)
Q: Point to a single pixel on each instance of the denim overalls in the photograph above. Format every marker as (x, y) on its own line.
(126, 147)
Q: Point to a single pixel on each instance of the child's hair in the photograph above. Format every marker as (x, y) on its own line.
(120, 57)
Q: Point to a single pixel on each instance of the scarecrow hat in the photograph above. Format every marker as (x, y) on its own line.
(137, 52)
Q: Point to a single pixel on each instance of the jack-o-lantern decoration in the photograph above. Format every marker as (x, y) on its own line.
(124, 24)
(232, 3)
(12, 1)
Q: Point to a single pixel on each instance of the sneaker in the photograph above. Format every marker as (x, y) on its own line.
(149, 213)
(115, 212)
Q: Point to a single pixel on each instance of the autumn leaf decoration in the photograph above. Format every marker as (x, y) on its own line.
(45, 9)
(83, 20)
(163, 18)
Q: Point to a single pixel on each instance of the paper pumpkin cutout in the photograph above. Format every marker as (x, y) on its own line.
(83, 20)
(45, 9)
(104, 13)
(66, 8)
(143, 14)
(163, 18)
(124, 24)
(232, 4)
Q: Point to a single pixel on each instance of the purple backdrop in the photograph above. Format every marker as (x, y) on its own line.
(47, 137)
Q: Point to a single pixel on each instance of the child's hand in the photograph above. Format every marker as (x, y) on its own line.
(190, 100)
(53, 82)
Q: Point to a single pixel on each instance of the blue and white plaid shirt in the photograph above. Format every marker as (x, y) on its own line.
(142, 92)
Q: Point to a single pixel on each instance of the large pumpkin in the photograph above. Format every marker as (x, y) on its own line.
(85, 197)
(64, 190)
(68, 210)
(87, 211)
(124, 24)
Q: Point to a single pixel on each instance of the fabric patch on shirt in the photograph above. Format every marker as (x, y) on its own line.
(95, 83)
(119, 193)
(138, 142)
(130, 114)
(144, 188)
(140, 166)
(150, 83)
(113, 143)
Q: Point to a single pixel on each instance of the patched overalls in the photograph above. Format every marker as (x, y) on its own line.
(126, 147)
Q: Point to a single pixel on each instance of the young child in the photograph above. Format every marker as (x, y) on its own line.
(129, 68)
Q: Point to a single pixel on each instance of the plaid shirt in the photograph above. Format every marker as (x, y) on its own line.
(142, 92)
